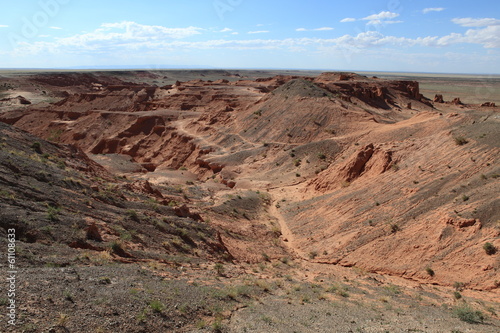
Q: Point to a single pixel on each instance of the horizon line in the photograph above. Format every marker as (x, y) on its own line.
(208, 68)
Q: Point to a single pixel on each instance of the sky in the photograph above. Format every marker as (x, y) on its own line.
(435, 36)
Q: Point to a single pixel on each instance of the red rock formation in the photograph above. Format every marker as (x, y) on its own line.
(19, 100)
(488, 104)
(438, 99)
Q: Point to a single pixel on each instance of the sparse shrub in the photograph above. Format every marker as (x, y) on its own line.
(217, 325)
(262, 284)
(67, 296)
(345, 184)
(394, 228)
(52, 213)
(117, 247)
(156, 306)
(142, 316)
(265, 257)
(392, 289)
(126, 236)
(55, 135)
(105, 280)
(430, 271)
(465, 197)
(297, 175)
(460, 140)
(219, 269)
(132, 214)
(339, 290)
(313, 254)
(61, 165)
(457, 295)
(62, 320)
(465, 313)
(37, 147)
(322, 156)
(458, 286)
(489, 248)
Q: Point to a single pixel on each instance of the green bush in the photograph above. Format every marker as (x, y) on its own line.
(489, 248)
(465, 313)
(156, 306)
(52, 213)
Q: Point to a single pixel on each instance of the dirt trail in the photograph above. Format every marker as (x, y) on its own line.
(287, 236)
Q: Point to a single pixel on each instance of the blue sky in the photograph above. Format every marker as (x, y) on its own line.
(393, 35)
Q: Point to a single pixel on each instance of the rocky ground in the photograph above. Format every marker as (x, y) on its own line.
(198, 201)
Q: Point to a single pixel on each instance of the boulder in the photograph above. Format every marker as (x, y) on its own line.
(93, 233)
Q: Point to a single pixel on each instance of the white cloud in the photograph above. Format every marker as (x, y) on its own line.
(226, 30)
(259, 32)
(379, 22)
(428, 10)
(381, 16)
(55, 28)
(136, 40)
(134, 30)
(3, 26)
(489, 37)
(43, 36)
(472, 22)
(317, 29)
(235, 33)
